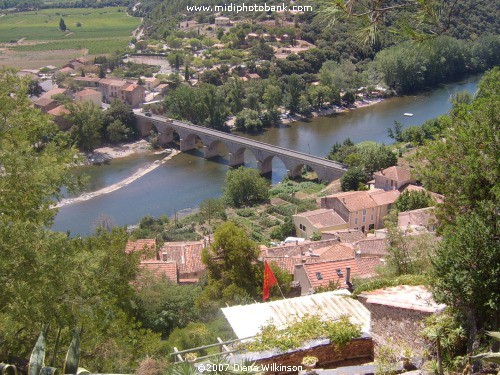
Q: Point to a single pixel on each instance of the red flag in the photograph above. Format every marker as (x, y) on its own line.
(269, 280)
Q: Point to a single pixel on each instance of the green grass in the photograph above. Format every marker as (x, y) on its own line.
(102, 30)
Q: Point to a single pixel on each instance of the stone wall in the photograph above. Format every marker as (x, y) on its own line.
(396, 326)
(357, 351)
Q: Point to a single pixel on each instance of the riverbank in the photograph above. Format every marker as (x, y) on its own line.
(127, 181)
(334, 110)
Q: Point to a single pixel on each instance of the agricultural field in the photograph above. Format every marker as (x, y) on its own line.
(97, 31)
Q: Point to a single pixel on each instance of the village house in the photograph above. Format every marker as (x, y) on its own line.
(335, 273)
(127, 92)
(423, 218)
(187, 256)
(92, 82)
(222, 21)
(161, 269)
(45, 104)
(398, 313)
(392, 178)
(57, 91)
(150, 83)
(364, 210)
(89, 95)
(58, 115)
(317, 221)
(344, 235)
(66, 71)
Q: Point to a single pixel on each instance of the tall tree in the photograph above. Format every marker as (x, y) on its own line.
(295, 86)
(232, 267)
(87, 120)
(62, 25)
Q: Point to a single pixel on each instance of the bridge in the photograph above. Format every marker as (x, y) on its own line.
(211, 139)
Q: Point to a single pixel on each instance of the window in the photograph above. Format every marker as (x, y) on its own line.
(371, 217)
(302, 227)
(364, 212)
(373, 209)
(355, 221)
(356, 212)
(319, 276)
(364, 219)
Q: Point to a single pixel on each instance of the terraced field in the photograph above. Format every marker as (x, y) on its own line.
(95, 30)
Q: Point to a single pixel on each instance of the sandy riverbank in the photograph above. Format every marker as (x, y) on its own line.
(141, 172)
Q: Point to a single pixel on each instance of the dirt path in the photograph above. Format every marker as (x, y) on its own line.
(127, 181)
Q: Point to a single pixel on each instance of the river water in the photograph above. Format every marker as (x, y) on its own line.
(186, 180)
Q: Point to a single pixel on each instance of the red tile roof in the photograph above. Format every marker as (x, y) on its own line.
(336, 252)
(297, 250)
(187, 255)
(161, 269)
(355, 200)
(43, 102)
(49, 94)
(395, 173)
(322, 218)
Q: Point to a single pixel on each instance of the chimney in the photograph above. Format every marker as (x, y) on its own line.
(357, 254)
(343, 200)
(347, 275)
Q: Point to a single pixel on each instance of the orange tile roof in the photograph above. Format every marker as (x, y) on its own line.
(322, 218)
(336, 252)
(161, 269)
(297, 249)
(86, 92)
(58, 111)
(372, 246)
(395, 173)
(147, 244)
(49, 94)
(187, 255)
(43, 102)
(355, 200)
(347, 235)
(322, 273)
(383, 198)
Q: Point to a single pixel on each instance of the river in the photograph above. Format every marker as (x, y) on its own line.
(186, 180)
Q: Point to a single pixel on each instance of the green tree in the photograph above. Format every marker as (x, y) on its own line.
(375, 156)
(88, 121)
(119, 111)
(62, 25)
(463, 163)
(467, 270)
(232, 268)
(245, 187)
(295, 86)
(163, 306)
(413, 200)
(248, 120)
(353, 179)
(117, 132)
(273, 96)
(349, 97)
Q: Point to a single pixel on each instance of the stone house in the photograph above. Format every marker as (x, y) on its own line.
(363, 210)
(58, 115)
(392, 178)
(397, 314)
(187, 256)
(339, 272)
(317, 221)
(89, 95)
(222, 21)
(45, 104)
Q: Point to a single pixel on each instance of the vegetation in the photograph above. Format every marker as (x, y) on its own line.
(102, 30)
(245, 187)
(298, 332)
(93, 284)
(413, 200)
